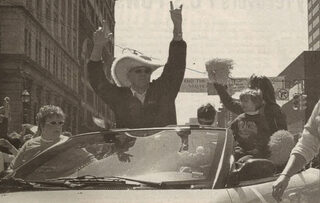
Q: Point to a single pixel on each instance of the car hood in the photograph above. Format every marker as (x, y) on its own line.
(116, 196)
(172, 176)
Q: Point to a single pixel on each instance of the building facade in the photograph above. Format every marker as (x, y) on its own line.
(40, 43)
(303, 76)
(314, 25)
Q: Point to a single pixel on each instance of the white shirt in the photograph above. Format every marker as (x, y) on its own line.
(309, 144)
(141, 97)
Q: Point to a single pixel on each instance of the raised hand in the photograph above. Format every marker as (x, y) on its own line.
(212, 75)
(176, 15)
(103, 35)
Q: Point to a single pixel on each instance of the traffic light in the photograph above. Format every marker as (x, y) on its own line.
(303, 102)
(296, 102)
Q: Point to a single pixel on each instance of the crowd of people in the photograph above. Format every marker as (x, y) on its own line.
(137, 102)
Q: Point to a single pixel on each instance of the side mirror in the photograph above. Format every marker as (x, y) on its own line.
(251, 169)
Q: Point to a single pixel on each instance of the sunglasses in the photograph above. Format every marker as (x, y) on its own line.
(56, 123)
(146, 71)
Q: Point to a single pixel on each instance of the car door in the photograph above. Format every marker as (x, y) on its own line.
(303, 187)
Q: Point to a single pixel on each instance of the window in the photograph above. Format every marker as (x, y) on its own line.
(69, 40)
(48, 11)
(75, 81)
(29, 5)
(75, 16)
(38, 47)
(69, 13)
(56, 3)
(68, 76)
(27, 42)
(315, 34)
(63, 10)
(55, 65)
(309, 4)
(315, 9)
(310, 39)
(310, 27)
(316, 46)
(63, 34)
(63, 69)
(39, 9)
(315, 22)
(309, 16)
(47, 58)
(56, 24)
(74, 45)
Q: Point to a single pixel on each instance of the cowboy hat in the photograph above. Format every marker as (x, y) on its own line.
(122, 65)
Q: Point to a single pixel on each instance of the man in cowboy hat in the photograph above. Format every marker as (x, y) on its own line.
(135, 101)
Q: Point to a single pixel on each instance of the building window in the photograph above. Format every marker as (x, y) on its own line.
(69, 13)
(68, 76)
(29, 5)
(310, 27)
(27, 42)
(39, 9)
(48, 11)
(316, 46)
(63, 74)
(74, 44)
(315, 22)
(309, 16)
(315, 34)
(56, 3)
(63, 33)
(310, 39)
(47, 59)
(55, 64)
(56, 24)
(75, 16)
(315, 9)
(75, 82)
(63, 10)
(69, 40)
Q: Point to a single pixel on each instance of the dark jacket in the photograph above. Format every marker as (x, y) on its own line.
(251, 132)
(272, 111)
(159, 105)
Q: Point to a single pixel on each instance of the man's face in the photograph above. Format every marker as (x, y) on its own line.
(139, 76)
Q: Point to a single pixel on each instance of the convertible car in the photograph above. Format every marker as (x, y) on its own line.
(170, 164)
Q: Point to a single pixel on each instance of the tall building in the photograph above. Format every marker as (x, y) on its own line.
(314, 25)
(41, 52)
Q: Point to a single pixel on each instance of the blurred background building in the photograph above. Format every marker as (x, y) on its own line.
(44, 48)
(314, 25)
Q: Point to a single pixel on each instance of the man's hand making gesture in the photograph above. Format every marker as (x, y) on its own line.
(100, 38)
(176, 18)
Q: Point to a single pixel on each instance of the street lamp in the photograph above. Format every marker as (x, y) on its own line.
(26, 98)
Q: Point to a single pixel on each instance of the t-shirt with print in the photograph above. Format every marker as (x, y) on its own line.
(251, 132)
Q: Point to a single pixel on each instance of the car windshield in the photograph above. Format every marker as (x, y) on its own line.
(161, 155)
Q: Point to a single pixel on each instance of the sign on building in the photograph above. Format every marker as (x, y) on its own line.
(194, 85)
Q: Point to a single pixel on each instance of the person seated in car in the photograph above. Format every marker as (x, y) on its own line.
(206, 114)
(250, 129)
(50, 120)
